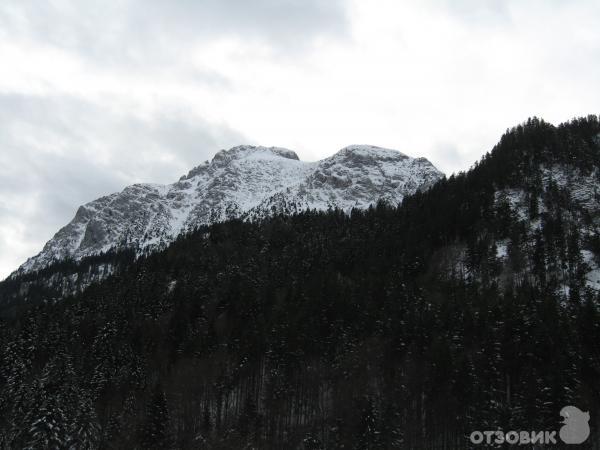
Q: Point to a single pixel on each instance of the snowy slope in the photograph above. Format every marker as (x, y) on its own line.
(580, 209)
(243, 182)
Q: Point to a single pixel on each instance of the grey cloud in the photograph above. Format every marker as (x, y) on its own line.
(287, 19)
(142, 31)
(57, 153)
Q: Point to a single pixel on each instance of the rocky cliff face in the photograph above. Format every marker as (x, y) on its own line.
(244, 182)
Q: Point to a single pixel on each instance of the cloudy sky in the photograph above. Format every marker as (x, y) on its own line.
(98, 95)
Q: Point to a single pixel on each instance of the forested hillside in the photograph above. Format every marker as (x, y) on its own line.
(471, 306)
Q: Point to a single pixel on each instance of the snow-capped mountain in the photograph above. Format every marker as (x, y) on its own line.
(244, 182)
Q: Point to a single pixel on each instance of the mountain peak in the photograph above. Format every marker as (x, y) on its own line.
(371, 151)
(255, 152)
(240, 153)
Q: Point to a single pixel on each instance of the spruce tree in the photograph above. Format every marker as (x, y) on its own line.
(156, 432)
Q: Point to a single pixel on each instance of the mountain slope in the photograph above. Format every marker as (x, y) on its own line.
(245, 181)
(528, 212)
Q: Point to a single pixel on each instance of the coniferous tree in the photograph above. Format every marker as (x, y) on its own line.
(156, 431)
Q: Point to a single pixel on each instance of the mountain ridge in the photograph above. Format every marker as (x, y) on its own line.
(245, 181)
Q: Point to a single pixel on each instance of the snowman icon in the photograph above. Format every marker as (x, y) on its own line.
(576, 428)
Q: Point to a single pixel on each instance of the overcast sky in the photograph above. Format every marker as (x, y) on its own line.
(98, 95)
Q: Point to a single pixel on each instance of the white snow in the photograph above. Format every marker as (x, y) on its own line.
(502, 249)
(593, 276)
